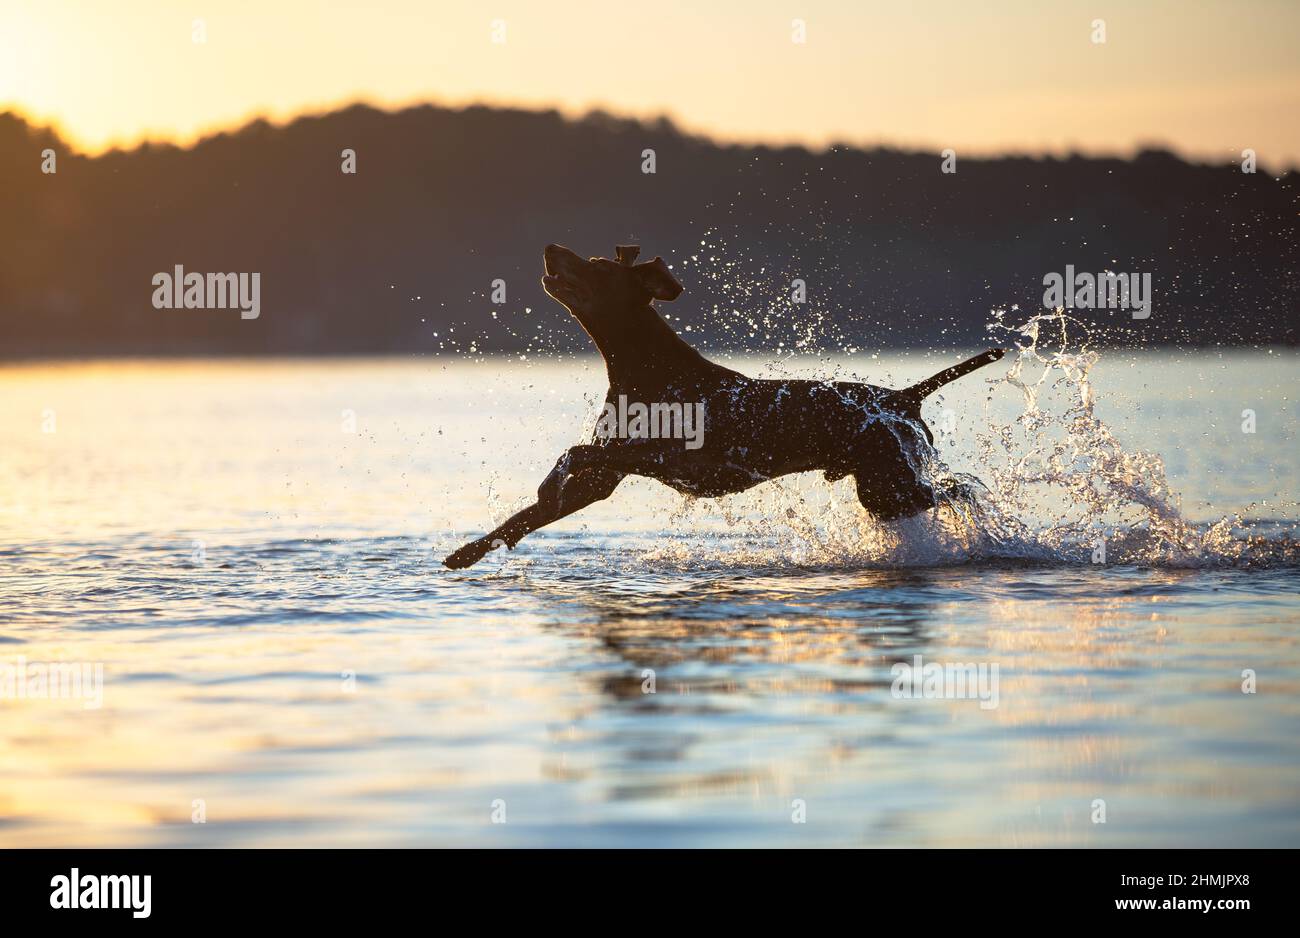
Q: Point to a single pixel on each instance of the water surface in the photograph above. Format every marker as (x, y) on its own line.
(250, 550)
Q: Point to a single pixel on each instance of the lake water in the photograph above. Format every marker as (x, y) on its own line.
(250, 550)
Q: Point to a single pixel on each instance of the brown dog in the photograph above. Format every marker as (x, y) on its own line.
(750, 431)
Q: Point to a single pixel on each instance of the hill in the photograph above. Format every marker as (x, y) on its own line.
(401, 255)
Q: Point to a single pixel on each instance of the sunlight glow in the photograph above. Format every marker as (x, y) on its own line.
(1207, 79)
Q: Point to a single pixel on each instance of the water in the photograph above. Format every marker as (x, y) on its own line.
(250, 550)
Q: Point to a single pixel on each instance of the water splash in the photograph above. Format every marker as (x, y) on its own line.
(1054, 485)
(1114, 504)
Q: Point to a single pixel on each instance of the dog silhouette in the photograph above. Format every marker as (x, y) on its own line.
(752, 430)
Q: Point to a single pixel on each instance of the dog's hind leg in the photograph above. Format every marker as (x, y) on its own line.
(578, 491)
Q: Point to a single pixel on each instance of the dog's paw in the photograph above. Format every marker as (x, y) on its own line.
(467, 556)
(472, 553)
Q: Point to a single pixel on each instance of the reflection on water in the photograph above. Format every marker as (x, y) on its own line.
(309, 674)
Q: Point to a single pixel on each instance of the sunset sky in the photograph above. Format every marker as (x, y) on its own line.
(1208, 78)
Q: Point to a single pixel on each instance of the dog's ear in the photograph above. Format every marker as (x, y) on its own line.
(658, 280)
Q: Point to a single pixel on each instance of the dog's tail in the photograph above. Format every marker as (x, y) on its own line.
(918, 392)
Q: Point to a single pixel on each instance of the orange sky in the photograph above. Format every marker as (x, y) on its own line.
(1208, 78)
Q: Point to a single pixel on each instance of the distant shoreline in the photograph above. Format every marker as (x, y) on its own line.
(374, 232)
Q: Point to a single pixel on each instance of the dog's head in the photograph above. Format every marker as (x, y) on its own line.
(595, 284)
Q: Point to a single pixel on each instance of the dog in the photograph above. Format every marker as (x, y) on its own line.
(753, 430)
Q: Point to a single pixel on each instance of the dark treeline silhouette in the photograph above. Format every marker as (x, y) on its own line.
(401, 256)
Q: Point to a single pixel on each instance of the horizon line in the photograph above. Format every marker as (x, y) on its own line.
(189, 142)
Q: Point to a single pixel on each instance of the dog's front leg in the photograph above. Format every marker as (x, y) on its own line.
(567, 489)
(504, 535)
